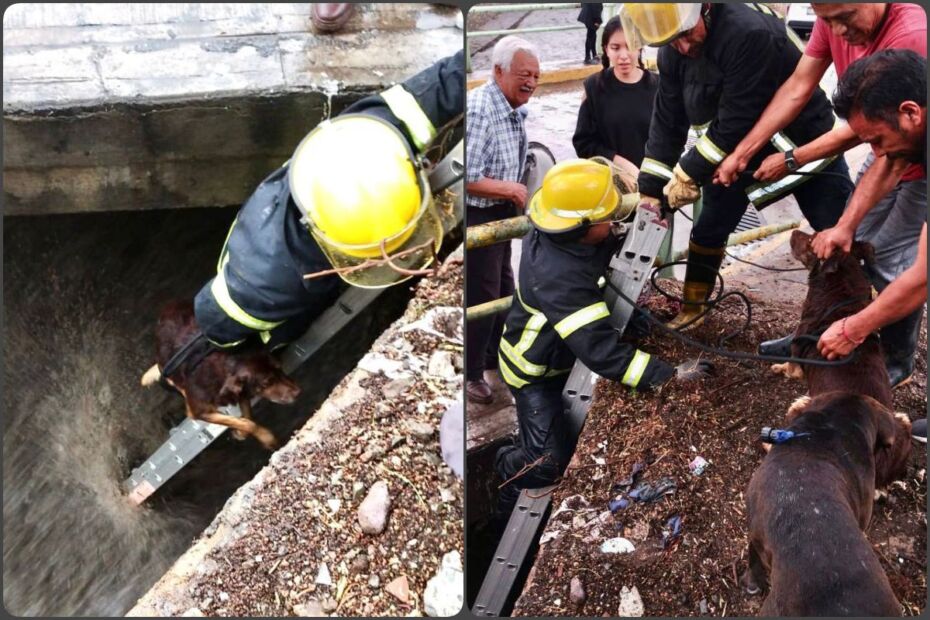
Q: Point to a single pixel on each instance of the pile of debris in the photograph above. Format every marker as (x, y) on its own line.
(358, 515)
(649, 518)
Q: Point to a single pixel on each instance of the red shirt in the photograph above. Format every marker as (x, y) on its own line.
(905, 27)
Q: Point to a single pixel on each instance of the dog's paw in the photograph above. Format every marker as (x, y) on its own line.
(789, 370)
(797, 407)
(266, 438)
(151, 376)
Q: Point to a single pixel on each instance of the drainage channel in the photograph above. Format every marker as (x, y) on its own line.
(81, 294)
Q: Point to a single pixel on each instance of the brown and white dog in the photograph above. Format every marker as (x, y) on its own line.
(221, 378)
(810, 500)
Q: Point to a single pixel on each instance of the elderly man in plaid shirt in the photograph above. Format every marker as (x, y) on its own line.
(496, 144)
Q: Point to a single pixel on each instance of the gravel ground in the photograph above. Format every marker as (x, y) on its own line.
(294, 545)
(697, 575)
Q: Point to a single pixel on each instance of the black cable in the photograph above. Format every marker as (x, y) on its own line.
(722, 352)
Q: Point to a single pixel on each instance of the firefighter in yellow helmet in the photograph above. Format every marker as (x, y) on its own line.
(720, 65)
(354, 190)
(559, 315)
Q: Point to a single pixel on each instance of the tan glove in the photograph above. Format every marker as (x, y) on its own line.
(681, 190)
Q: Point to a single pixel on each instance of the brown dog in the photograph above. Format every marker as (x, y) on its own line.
(837, 288)
(221, 378)
(809, 503)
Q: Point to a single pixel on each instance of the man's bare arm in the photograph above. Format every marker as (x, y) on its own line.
(501, 190)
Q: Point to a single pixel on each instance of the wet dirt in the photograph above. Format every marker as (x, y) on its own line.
(720, 422)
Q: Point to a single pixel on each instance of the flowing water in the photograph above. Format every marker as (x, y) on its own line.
(81, 294)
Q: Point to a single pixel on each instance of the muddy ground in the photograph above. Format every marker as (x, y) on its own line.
(720, 421)
(303, 522)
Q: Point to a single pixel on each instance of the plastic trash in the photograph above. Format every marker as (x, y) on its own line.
(633, 477)
(671, 532)
(618, 503)
(650, 492)
(698, 465)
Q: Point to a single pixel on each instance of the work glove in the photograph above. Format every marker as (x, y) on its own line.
(694, 369)
(681, 190)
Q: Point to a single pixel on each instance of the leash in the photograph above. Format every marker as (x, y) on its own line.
(739, 355)
(190, 355)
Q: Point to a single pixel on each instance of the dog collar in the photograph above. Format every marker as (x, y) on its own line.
(777, 435)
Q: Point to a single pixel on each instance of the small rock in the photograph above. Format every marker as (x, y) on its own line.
(311, 609)
(576, 591)
(373, 512)
(399, 589)
(446, 495)
(441, 365)
(702, 606)
(374, 581)
(193, 612)
(329, 604)
(443, 594)
(617, 545)
(323, 577)
(358, 489)
(397, 462)
(398, 386)
(432, 459)
(360, 564)
(224, 597)
(334, 505)
(631, 604)
(373, 452)
(420, 430)
(397, 440)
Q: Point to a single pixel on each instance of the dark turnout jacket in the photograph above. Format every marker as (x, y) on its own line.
(747, 56)
(259, 288)
(559, 315)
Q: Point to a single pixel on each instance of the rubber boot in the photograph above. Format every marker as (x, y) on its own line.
(899, 344)
(780, 347)
(700, 276)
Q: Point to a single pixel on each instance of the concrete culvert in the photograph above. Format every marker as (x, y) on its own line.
(81, 296)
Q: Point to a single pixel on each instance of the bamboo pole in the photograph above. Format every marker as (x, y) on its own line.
(499, 305)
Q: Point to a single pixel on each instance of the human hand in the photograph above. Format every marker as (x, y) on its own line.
(516, 193)
(837, 342)
(655, 202)
(772, 168)
(826, 241)
(729, 170)
(681, 190)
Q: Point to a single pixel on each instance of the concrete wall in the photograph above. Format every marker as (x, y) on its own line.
(112, 107)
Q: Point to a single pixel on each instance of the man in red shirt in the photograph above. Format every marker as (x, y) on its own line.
(890, 221)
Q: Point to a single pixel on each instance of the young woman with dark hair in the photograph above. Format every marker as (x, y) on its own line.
(613, 120)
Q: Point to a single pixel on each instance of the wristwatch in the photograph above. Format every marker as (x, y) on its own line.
(790, 162)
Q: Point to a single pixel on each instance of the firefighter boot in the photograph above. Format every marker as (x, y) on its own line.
(899, 343)
(700, 276)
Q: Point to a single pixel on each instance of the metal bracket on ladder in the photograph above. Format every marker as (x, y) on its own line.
(526, 520)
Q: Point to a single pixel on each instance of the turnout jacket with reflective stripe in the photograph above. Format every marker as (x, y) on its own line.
(259, 284)
(747, 56)
(558, 315)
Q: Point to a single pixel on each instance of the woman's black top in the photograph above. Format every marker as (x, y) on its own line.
(614, 117)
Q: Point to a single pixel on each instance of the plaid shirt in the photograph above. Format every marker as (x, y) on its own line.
(495, 140)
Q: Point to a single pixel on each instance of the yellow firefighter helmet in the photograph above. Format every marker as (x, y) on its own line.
(578, 192)
(657, 24)
(364, 196)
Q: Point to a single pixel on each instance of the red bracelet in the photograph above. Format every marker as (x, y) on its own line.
(846, 336)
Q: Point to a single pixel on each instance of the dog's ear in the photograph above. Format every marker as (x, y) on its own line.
(231, 392)
(832, 264)
(801, 249)
(864, 251)
(892, 445)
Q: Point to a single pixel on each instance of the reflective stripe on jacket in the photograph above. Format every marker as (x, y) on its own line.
(559, 315)
(747, 56)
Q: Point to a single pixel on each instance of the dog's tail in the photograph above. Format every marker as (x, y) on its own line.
(151, 376)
